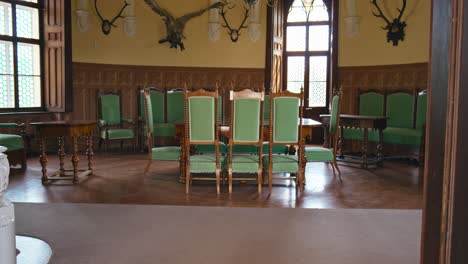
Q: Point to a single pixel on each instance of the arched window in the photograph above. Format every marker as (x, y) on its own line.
(307, 54)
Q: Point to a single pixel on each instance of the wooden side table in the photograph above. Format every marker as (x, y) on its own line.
(365, 123)
(60, 130)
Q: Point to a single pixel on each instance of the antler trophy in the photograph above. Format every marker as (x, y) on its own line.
(107, 25)
(234, 33)
(395, 28)
(175, 26)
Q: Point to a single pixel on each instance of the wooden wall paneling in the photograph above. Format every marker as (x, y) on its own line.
(89, 78)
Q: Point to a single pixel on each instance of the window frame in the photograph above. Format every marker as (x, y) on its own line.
(14, 39)
(307, 54)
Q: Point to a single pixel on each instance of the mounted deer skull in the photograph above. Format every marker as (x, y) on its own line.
(234, 33)
(175, 26)
(396, 28)
(107, 25)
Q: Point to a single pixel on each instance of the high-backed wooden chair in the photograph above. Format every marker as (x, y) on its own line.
(246, 129)
(285, 128)
(111, 124)
(328, 154)
(201, 128)
(167, 153)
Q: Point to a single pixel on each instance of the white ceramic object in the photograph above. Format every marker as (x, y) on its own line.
(7, 215)
(4, 172)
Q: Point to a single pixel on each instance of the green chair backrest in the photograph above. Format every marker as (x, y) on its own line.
(175, 107)
(334, 115)
(158, 104)
(201, 111)
(400, 110)
(371, 104)
(110, 108)
(266, 109)
(149, 104)
(285, 119)
(246, 119)
(421, 110)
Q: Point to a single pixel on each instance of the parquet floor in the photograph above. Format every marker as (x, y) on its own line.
(119, 179)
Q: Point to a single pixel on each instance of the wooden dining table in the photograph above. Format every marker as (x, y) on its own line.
(364, 123)
(307, 127)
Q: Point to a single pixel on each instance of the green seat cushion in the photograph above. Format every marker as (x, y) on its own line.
(245, 149)
(201, 149)
(402, 136)
(282, 163)
(8, 125)
(245, 164)
(277, 149)
(11, 142)
(318, 154)
(358, 134)
(165, 153)
(204, 163)
(118, 133)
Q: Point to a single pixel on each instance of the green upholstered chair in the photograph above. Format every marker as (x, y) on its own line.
(111, 124)
(370, 104)
(201, 128)
(285, 128)
(158, 100)
(175, 106)
(278, 149)
(246, 130)
(326, 154)
(166, 153)
(12, 136)
(400, 129)
(223, 148)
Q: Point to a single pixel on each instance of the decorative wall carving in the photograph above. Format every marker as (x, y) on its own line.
(388, 77)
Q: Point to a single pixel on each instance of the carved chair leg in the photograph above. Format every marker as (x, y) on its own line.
(148, 165)
(259, 181)
(218, 191)
(230, 180)
(338, 169)
(270, 181)
(187, 178)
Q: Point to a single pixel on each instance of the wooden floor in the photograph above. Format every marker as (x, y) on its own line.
(119, 179)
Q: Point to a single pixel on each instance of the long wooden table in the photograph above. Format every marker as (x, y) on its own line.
(360, 122)
(307, 125)
(60, 130)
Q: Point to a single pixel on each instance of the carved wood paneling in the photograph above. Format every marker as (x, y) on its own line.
(88, 79)
(385, 78)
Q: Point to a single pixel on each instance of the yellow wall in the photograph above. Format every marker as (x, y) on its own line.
(143, 48)
(370, 46)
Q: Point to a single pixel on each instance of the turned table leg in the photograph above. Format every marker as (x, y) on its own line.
(380, 149)
(90, 152)
(75, 159)
(341, 143)
(43, 160)
(61, 154)
(365, 149)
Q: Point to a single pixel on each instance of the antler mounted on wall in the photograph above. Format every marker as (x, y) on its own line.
(234, 33)
(106, 24)
(396, 28)
(175, 26)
